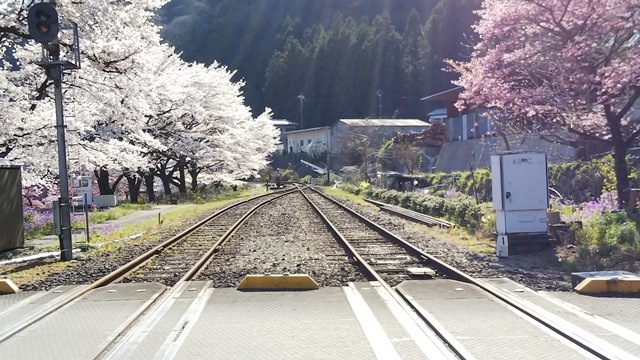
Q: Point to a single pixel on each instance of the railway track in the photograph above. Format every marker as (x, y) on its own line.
(193, 247)
(387, 256)
(412, 215)
(172, 263)
(365, 246)
(384, 258)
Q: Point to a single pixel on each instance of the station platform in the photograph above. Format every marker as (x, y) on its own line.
(359, 321)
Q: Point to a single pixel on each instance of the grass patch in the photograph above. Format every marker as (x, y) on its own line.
(100, 216)
(23, 274)
(337, 192)
(173, 218)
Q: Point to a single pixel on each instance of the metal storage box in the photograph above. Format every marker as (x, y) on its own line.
(520, 198)
(11, 216)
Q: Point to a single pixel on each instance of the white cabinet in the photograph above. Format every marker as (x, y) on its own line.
(519, 192)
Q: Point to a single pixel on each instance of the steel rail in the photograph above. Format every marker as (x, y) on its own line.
(457, 274)
(206, 258)
(119, 273)
(450, 343)
(119, 342)
(411, 215)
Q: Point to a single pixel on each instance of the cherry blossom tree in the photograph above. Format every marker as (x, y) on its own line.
(564, 63)
(133, 99)
(112, 45)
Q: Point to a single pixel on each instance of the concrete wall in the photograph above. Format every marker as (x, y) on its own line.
(299, 140)
(455, 156)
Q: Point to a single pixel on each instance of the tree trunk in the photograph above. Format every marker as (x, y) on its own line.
(165, 178)
(503, 136)
(622, 174)
(194, 179)
(102, 175)
(166, 182)
(134, 187)
(619, 159)
(182, 185)
(194, 171)
(133, 181)
(148, 184)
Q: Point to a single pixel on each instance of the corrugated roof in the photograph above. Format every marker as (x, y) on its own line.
(438, 112)
(305, 130)
(282, 122)
(384, 122)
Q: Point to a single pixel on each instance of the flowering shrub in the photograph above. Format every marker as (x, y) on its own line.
(611, 241)
(37, 222)
(461, 210)
(608, 239)
(451, 194)
(589, 211)
(105, 229)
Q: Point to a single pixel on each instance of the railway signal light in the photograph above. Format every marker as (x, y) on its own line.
(43, 23)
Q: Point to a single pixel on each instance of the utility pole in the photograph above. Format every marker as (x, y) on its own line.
(301, 98)
(379, 93)
(43, 28)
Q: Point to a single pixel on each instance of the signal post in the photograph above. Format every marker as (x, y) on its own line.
(44, 27)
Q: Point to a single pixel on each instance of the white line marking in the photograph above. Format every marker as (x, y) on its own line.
(596, 342)
(134, 337)
(26, 301)
(181, 330)
(378, 339)
(428, 343)
(619, 330)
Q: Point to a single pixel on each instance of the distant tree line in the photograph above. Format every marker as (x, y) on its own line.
(348, 58)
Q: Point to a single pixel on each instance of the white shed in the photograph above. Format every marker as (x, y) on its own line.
(314, 140)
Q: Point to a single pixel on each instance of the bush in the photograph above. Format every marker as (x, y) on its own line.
(461, 210)
(612, 241)
(37, 222)
(579, 181)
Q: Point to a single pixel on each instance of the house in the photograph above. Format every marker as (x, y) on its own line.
(437, 116)
(332, 138)
(284, 126)
(467, 125)
(314, 141)
(469, 138)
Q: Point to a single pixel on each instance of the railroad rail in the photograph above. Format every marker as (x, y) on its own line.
(197, 250)
(382, 256)
(336, 220)
(412, 215)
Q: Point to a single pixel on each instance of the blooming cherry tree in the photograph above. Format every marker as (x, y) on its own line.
(133, 99)
(567, 63)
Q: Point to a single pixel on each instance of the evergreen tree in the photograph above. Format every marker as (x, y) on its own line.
(413, 66)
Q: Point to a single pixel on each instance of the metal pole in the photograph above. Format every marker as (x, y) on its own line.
(328, 170)
(301, 97)
(66, 254)
(86, 216)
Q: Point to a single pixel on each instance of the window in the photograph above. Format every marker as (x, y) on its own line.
(308, 141)
(301, 143)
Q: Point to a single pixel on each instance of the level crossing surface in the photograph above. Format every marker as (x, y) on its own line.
(359, 321)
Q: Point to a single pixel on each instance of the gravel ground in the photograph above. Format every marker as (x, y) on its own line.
(290, 239)
(531, 270)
